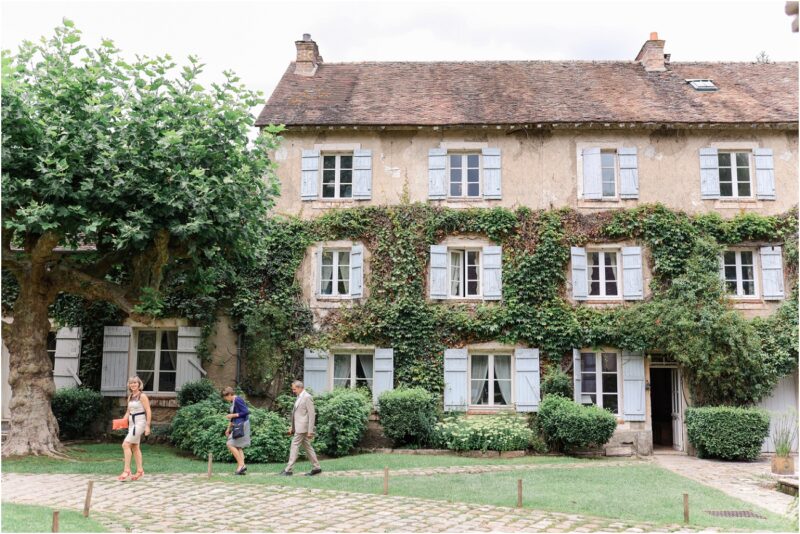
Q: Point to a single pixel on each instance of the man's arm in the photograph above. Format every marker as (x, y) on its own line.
(312, 415)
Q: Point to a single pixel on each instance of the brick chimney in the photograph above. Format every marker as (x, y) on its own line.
(652, 54)
(308, 58)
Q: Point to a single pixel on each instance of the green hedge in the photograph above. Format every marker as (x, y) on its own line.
(342, 417)
(76, 409)
(556, 382)
(502, 432)
(193, 392)
(567, 425)
(408, 416)
(726, 432)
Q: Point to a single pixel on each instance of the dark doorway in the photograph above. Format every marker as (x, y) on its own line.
(661, 406)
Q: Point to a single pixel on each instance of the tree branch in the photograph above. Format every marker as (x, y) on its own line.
(77, 282)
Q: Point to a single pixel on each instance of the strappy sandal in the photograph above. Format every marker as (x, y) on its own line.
(138, 475)
(124, 476)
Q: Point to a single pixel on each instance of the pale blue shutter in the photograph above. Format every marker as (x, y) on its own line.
(632, 278)
(309, 182)
(437, 173)
(455, 380)
(357, 271)
(592, 174)
(189, 368)
(438, 288)
(576, 375)
(765, 173)
(114, 370)
(492, 174)
(580, 282)
(384, 373)
(526, 363)
(772, 273)
(68, 354)
(628, 173)
(633, 386)
(492, 273)
(362, 174)
(315, 371)
(709, 173)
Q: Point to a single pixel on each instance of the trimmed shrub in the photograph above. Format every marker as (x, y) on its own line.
(284, 404)
(503, 432)
(341, 420)
(76, 410)
(567, 425)
(193, 392)
(726, 432)
(556, 382)
(408, 416)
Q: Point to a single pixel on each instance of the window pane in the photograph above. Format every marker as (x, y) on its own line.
(147, 339)
(345, 190)
(609, 382)
(329, 162)
(473, 160)
(744, 189)
(472, 288)
(607, 159)
(166, 381)
(473, 175)
(588, 362)
(455, 274)
(725, 175)
(147, 379)
(346, 177)
(499, 387)
(747, 257)
(608, 174)
(749, 287)
(346, 162)
(169, 360)
(730, 272)
(328, 191)
(328, 176)
(747, 272)
(730, 286)
(479, 371)
(609, 362)
(730, 258)
(146, 360)
(169, 340)
(742, 159)
(341, 366)
(473, 190)
(609, 189)
(51, 341)
(724, 159)
(343, 287)
(725, 189)
(455, 189)
(455, 175)
(327, 287)
(611, 289)
(611, 403)
(588, 383)
(455, 161)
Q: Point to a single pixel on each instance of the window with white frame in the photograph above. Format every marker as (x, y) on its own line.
(337, 175)
(353, 370)
(51, 349)
(739, 272)
(157, 359)
(734, 175)
(334, 272)
(600, 380)
(464, 266)
(603, 274)
(608, 168)
(490, 379)
(465, 175)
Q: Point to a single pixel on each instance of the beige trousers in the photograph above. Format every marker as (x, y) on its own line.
(297, 440)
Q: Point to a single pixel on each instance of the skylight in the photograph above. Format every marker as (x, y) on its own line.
(703, 85)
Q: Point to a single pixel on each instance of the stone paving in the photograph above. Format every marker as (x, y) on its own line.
(170, 503)
(749, 481)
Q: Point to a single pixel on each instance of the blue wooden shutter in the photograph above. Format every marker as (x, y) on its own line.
(362, 174)
(437, 173)
(772, 273)
(384, 373)
(633, 386)
(438, 288)
(576, 375)
(114, 370)
(492, 174)
(189, 368)
(709, 173)
(592, 174)
(455, 380)
(580, 282)
(68, 358)
(492, 273)
(315, 370)
(526, 363)
(632, 278)
(765, 174)
(309, 182)
(357, 271)
(628, 173)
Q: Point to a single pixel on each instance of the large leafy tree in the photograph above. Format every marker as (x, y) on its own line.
(112, 172)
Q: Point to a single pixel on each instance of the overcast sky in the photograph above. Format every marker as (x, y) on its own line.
(256, 38)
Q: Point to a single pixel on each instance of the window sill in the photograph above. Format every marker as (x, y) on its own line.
(749, 304)
(333, 298)
(455, 300)
(602, 204)
(738, 203)
(488, 410)
(320, 204)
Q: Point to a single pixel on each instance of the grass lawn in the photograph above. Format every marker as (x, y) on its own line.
(26, 518)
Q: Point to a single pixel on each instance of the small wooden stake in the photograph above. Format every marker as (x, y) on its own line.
(519, 493)
(55, 520)
(386, 480)
(685, 507)
(210, 459)
(88, 502)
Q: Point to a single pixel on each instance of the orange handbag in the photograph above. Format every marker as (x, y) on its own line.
(119, 424)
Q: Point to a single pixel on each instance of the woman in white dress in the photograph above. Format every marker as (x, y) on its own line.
(139, 416)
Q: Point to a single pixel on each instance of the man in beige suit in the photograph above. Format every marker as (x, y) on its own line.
(303, 419)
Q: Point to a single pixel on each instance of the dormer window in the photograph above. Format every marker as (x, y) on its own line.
(702, 85)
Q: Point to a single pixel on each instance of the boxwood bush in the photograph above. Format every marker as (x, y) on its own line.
(408, 416)
(556, 382)
(567, 425)
(502, 432)
(726, 432)
(76, 410)
(197, 391)
(342, 417)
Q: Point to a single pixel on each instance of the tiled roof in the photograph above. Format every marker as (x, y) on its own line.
(525, 92)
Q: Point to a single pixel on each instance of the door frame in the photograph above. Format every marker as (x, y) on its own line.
(678, 438)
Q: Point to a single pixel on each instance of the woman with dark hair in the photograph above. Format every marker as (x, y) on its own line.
(238, 431)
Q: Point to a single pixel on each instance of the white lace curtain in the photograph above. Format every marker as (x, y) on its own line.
(502, 375)
(480, 376)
